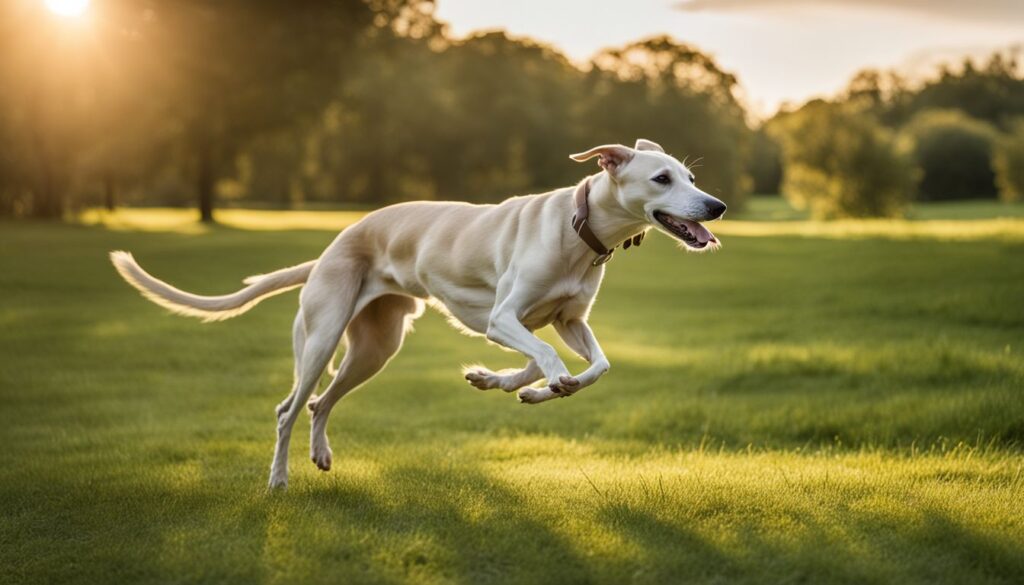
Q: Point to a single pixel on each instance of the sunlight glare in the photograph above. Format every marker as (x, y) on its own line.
(67, 7)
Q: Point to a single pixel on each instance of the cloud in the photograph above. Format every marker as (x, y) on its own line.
(993, 11)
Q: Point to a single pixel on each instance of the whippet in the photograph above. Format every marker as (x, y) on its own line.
(501, 271)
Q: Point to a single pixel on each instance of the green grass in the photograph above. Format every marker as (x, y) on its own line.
(822, 406)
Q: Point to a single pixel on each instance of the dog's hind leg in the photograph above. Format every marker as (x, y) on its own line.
(374, 337)
(298, 342)
(328, 300)
(508, 380)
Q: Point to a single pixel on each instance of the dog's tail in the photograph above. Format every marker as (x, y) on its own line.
(210, 308)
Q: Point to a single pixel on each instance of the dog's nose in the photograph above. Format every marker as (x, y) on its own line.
(716, 209)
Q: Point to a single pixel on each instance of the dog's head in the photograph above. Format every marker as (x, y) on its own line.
(660, 190)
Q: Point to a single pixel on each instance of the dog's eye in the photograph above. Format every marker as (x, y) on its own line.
(693, 179)
(662, 179)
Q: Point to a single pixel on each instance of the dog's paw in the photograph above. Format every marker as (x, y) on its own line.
(565, 386)
(320, 449)
(278, 481)
(532, 395)
(322, 457)
(482, 379)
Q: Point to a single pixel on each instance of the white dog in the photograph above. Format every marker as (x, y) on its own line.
(502, 271)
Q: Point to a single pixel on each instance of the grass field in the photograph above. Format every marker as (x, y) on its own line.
(838, 403)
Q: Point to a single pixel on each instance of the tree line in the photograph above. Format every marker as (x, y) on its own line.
(365, 102)
(886, 141)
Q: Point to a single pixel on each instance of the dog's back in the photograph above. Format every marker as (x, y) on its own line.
(461, 240)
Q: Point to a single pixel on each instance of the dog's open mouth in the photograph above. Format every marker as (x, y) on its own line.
(693, 234)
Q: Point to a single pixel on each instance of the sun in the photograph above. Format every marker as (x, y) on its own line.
(67, 7)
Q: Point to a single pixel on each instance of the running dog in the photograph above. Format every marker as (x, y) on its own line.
(501, 271)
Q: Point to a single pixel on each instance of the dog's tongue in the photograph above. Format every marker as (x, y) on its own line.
(698, 231)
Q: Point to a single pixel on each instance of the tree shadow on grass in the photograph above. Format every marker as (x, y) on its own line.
(430, 517)
(439, 523)
(938, 548)
(806, 548)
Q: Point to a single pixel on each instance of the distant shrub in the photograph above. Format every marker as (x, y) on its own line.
(954, 152)
(1008, 163)
(839, 162)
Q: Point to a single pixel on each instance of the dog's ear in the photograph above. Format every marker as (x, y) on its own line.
(612, 156)
(644, 144)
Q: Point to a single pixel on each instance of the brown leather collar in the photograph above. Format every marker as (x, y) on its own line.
(581, 225)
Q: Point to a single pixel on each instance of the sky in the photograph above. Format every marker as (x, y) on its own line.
(781, 50)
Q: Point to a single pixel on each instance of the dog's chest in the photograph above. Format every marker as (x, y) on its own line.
(565, 300)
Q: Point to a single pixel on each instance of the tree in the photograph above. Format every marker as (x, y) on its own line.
(1009, 163)
(839, 162)
(335, 100)
(242, 67)
(515, 115)
(474, 119)
(954, 152)
(210, 76)
(885, 95)
(993, 92)
(678, 96)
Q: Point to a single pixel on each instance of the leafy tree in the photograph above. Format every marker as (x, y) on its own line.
(885, 95)
(678, 96)
(954, 153)
(428, 118)
(1009, 163)
(208, 76)
(242, 67)
(515, 111)
(386, 124)
(840, 162)
(993, 92)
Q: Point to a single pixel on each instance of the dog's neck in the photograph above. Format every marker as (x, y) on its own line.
(609, 221)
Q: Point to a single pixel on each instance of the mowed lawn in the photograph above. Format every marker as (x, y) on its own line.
(837, 403)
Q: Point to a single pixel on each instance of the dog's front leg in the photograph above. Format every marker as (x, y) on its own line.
(509, 381)
(506, 329)
(578, 335)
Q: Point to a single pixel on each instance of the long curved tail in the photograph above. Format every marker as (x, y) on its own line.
(210, 308)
